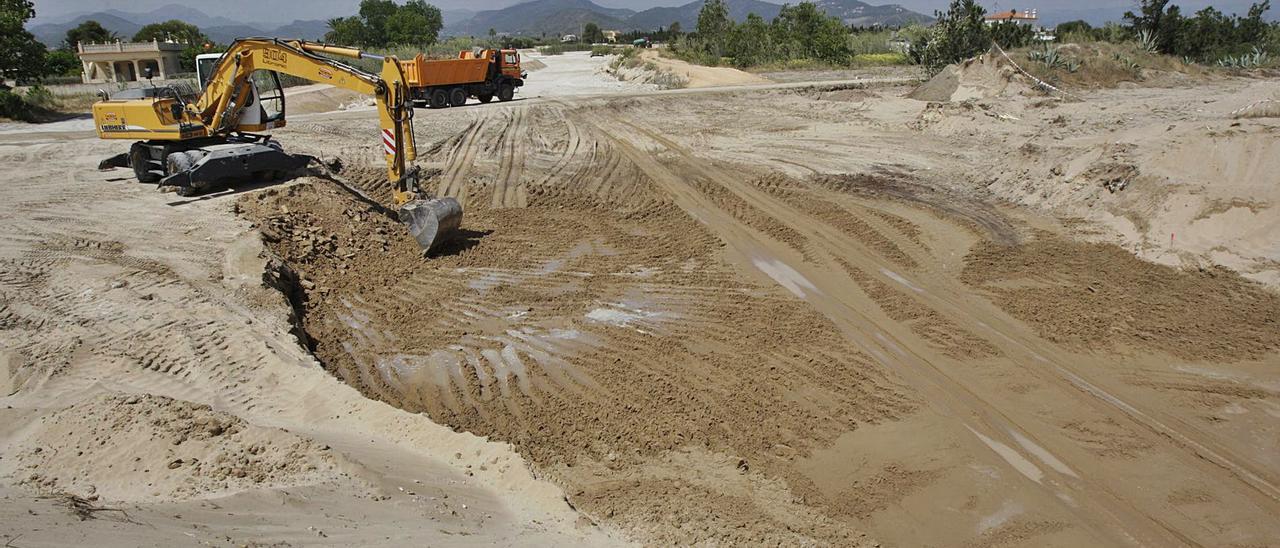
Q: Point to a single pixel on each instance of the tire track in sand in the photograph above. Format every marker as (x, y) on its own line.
(573, 143)
(1090, 491)
(463, 156)
(509, 189)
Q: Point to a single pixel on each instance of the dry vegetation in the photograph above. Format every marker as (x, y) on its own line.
(1095, 65)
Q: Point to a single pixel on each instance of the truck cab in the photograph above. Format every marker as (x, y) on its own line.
(509, 63)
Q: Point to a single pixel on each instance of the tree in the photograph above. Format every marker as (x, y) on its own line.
(21, 56)
(183, 33)
(592, 34)
(1012, 35)
(416, 23)
(804, 31)
(1157, 19)
(61, 62)
(752, 43)
(88, 32)
(1073, 27)
(188, 35)
(374, 14)
(492, 32)
(714, 26)
(958, 34)
(345, 30)
(1207, 36)
(674, 29)
(381, 22)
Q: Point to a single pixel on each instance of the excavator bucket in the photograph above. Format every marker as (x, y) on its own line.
(431, 221)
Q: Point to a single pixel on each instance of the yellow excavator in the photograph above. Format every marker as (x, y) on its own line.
(200, 142)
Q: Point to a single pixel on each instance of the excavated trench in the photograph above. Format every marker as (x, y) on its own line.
(596, 318)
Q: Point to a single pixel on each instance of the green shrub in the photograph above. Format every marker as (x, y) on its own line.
(40, 97)
(34, 105)
(800, 31)
(13, 107)
(959, 33)
(870, 42)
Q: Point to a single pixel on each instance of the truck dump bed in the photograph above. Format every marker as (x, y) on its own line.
(422, 72)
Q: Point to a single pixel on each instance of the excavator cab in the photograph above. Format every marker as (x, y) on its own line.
(265, 108)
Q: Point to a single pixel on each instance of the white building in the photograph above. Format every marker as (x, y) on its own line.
(1024, 17)
(127, 61)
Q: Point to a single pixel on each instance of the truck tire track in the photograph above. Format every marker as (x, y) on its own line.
(509, 189)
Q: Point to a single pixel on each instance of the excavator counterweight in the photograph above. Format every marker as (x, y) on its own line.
(198, 143)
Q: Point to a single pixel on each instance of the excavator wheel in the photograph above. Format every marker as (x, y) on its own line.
(457, 97)
(439, 98)
(140, 160)
(431, 222)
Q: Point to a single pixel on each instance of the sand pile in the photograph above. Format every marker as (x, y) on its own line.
(153, 448)
(1097, 296)
(983, 77)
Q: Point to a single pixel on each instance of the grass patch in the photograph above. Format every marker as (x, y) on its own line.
(880, 59)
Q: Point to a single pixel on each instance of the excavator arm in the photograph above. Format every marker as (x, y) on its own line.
(229, 90)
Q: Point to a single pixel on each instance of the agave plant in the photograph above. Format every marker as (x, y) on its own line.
(1254, 59)
(1052, 58)
(1147, 41)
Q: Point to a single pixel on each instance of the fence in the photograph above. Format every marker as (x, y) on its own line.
(69, 90)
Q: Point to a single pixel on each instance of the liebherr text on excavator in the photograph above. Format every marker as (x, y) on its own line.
(197, 143)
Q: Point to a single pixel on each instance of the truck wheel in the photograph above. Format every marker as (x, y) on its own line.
(439, 98)
(506, 92)
(485, 97)
(457, 97)
(140, 160)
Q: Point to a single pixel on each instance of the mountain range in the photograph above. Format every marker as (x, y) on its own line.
(553, 17)
(220, 29)
(568, 16)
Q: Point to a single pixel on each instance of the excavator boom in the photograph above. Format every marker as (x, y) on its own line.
(195, 144)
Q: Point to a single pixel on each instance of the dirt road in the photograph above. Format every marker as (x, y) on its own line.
(698, 320)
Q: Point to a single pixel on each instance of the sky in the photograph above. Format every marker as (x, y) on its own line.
(289, 10)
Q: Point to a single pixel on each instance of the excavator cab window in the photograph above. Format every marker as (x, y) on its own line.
(270, 95)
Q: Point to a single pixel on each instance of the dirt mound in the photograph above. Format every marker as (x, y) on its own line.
(153, 448)
(532, 64)
(984, 77)
(699, 76)
(1100, 296)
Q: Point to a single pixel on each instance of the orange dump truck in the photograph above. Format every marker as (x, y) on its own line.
(484, 74)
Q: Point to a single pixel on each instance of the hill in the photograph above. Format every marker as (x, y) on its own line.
(687, 15)
(539, 16)
(568, 16)
(220, 29)
(862, 14)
